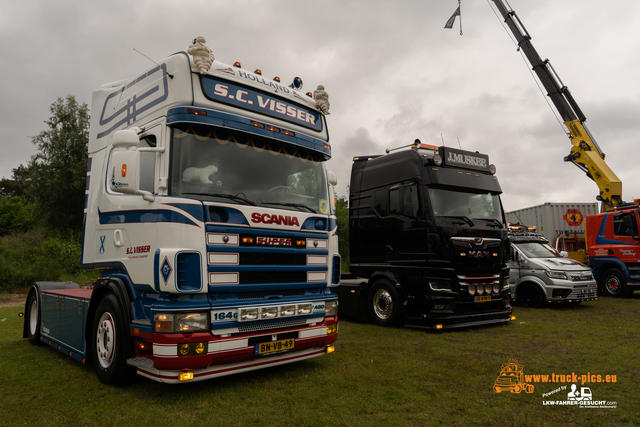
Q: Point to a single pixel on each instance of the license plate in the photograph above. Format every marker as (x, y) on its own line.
(274, 346)
(483, 298)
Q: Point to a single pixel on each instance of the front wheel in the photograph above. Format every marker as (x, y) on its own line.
(530, 295)
(385, 307)
(613, 283)
(111, 343)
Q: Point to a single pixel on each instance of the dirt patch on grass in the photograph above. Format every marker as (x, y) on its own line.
(12, 300)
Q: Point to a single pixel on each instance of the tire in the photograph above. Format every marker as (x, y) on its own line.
(111, 344)
(531, 296)
(33, 318)
(385, 306)
(613, 283)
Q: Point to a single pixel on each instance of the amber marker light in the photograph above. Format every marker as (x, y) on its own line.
(277, 79)
(331, 349)
(513, 317)
(273, 129)
(258, 71)
(196, 112)
(124, 170)
(257, 124)
(438, 326)
(247, 240)
(237, 64)
(288, 132)
(185, 376)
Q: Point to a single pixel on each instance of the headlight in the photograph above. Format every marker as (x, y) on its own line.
(181, 322)
(440, 285)
(269, 312)
(331, 308)
(554, 274)
(505, 283)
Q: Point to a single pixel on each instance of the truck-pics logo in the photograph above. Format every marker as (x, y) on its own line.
(573, 217)
(511, 379)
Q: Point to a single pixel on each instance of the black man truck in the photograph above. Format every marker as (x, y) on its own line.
(428, 241)
(207, 211)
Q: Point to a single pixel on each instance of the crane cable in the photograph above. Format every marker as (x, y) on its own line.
(542, 91)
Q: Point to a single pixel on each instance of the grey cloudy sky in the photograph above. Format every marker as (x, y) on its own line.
(393, 73)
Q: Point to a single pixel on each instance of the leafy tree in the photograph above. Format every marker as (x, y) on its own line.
(15, 217)
(342, 215)
(57, 172)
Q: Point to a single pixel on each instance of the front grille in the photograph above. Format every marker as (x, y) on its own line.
(271, 294)
(253, 277)
(251, 258)
(271, 326)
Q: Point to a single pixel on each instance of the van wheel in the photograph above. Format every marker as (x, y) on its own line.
(33, 318)
(109, 343)
(530, 295)
(613, 283)
(385, 307)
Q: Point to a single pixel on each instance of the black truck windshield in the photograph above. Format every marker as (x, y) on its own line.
(461, 204)
(212, 164)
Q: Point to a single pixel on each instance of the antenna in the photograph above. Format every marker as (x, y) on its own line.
(170, 76)
(442, 137)
(459, 142)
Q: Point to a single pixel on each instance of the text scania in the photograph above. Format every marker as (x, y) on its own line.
(467, 160)
(266, 104)
(274, 219)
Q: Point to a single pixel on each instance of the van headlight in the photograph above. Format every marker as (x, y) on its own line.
(555, 274)
(181, 322)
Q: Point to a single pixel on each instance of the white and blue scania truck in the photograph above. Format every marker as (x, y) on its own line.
(208, 212)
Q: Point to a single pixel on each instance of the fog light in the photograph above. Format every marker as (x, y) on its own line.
(184, 349)
(496, 288)
(480, 289)
(438, 326)
(200, 348)
(287, 310)
(268, 312)
(472, 290)
(305, 308)
(248, 314)
(513, 317)
(185, 376)
(331, 349)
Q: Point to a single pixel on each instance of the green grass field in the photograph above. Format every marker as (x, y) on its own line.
(377, 376)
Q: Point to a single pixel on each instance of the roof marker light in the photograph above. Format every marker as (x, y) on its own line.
(277, 79)
(237, 64)
(258, 71)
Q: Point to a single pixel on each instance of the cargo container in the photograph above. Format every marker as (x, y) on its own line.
(562, 224)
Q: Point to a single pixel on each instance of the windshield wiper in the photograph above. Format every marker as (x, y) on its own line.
(295, 205)
(226, 196)
(493, 221)
(462, 217)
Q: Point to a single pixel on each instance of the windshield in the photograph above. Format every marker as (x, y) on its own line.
(212, 164)
(458, 203)
(538, 250)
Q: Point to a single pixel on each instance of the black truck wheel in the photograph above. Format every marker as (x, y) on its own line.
(613, 283)
(385, 307)
(33, 317)
(110, 341)
(530, 295)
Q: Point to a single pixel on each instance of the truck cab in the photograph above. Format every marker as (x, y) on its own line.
(539, 274)
(428, 244)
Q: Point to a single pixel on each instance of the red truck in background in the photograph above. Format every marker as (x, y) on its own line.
(614, 250)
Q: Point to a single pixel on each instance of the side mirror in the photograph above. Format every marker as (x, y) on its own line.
(564, 254)
(332, 178)
(124, 176)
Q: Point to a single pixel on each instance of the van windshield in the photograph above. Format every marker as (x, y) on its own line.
(452, 202)
(538, 250)
(215, 165)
